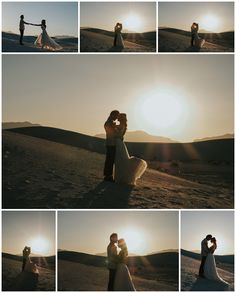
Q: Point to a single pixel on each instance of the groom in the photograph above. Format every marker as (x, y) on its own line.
(22, 28)
(110, 128)
(112, 260)
(204, 252)
(194, 30)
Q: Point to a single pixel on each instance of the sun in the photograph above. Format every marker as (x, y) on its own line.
(39, 245)
(210, 22)
(134, 240)
(132, 22)
(163, 111)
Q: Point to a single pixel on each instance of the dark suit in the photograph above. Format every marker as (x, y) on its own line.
(204, 253)
(110, 147)
(112, 265)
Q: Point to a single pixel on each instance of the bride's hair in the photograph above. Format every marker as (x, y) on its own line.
(213, 240)
(122, 245)
(123, 120)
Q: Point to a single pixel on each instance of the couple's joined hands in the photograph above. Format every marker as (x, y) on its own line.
(32, 24)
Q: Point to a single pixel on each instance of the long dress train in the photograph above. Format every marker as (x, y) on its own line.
(127, 169)
(210, 270)
(44, 41)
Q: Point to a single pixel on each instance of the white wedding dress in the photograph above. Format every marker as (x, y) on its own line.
(127, 169)
(44, 41)
(119, 40)
(123, 280)
(199, 42)
(31, 267)
(210, 270)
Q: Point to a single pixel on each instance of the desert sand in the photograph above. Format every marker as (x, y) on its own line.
(191, 282)
(42, 173)
(84, 272)
(10, 43)
(14, 280)
(174, 41)
(99, 42)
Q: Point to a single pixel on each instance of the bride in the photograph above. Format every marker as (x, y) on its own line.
(123, 280)
(127, 169)
(44, 41)
(30, 267)
(210, 270)
(118, 37)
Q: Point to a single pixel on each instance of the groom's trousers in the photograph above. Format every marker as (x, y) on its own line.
(201, 269)
(110, 160)
(112, 274)
(21, 36)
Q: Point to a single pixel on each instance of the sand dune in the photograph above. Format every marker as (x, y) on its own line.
(39, 173)
(14, 280)
(10, 43)
(99, 42)
(191, 282)
(84, 272)
(171, 40)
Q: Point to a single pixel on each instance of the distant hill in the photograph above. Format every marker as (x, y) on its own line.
(225, 136)
(42, 261)
(164, 259)
(150, 35)
(212, 150)
(177, 40)
(9, 125)
(219, 258)
(141, 136)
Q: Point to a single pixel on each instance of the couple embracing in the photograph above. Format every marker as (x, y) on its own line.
(119, 275)
(126, 169)
(208, 268)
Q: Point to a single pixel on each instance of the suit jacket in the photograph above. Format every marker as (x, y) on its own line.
(112, 256)
(204, 248)
(111, 132)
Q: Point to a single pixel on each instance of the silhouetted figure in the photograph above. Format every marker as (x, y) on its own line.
(123, 279)
(110, 128)
(118, 40)
(204, 252)
(196, 41)
(22, 28)
(194, 30)
(112, 260)
(26, 252)
(44, 41)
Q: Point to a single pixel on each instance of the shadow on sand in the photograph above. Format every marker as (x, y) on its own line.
(202, 284)
(193, 49)
(115, 49)
(26, 281)
(106, 195)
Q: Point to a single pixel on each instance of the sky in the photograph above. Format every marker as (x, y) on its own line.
(182, 97)
(145, 232)
(135, 16)
(61, 17)
(211, 16)
(196, 225)
(25, 228)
